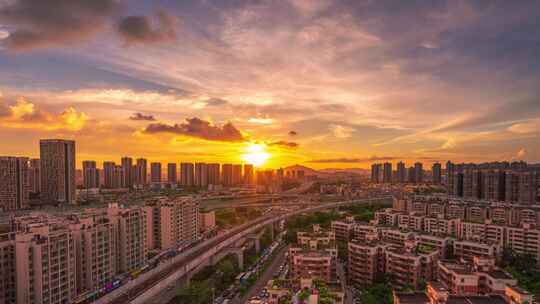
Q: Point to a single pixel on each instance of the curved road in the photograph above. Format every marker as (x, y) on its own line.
(183, 262)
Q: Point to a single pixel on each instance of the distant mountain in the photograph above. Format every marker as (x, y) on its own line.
(358, 171)
(307, 171)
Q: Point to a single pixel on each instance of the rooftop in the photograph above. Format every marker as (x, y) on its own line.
(492, 299)
(412, 298)
(499, 274)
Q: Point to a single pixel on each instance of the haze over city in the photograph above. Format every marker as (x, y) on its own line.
(321, 83)
(269, 152)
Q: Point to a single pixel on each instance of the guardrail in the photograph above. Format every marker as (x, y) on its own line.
(211, 246)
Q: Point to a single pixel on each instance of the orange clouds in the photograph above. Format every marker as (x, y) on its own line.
(25, 115)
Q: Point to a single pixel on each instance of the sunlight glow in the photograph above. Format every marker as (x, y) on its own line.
(256, 155)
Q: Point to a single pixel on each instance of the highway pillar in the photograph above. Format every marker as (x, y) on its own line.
(257, 245)
(272, 231)
(240, 255)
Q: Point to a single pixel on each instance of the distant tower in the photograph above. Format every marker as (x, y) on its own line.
(411, 175)
(237, 175)
(13, 183)
(127, 165)
(387, 173)
(57, 158)
(436, 170)
(172, 174)
(90, 174)
(227, 175)
(213, 174)
(187, 174)
(248, 174)
(375, 173)
(109, 169)
(419, 172)
(401, 173)
(201, 175)
(34, 175)
(142, 167)
(155, 172)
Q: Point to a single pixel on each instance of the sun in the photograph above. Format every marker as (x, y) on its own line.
(256, 155)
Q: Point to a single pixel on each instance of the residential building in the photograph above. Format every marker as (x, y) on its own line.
(314, 257)
(366, 262)
(524, 240)
(45, 265)
(109, 169)
(8, 282)
(201, 175)
(419, 172)
(411, 175)
(437, 173)
(401, 173)
(142, 167)
(227, 175)
(316, 239)
(175, 222)
(248, 174)
(172, 174)
(214, 174)
(363, 231)
(375, 173)
(130, 225)
(450, 173)
(57, 159)
(442, 226)
(127, 165)
(207, 220)
(342, 230)
(155, 173)
(471, 279)
(411, 264)
(387, 217)
(494, 184)
(90, 174)
(187, 172)
(34, 175)
(482, 233)
(313, 264)
(95, 239)
(521, 187)
(237, 177)
(387, 173)
(468, 250)
(14, 186)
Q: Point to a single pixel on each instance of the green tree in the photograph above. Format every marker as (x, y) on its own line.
(195, 293)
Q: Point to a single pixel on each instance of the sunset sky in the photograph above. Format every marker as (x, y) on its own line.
(316, 82)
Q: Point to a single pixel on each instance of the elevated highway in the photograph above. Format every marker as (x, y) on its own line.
(148, 285)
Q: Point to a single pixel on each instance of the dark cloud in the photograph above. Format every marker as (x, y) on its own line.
(293, 133)
(199, 128)
(145, 29)
(215, 102)
(54, 22)
(284, 144)
(140, 116)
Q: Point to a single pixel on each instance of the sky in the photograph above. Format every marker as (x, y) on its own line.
(327, 84)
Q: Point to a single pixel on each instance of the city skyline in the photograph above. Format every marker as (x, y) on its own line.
(320, 83)
(253, 149)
